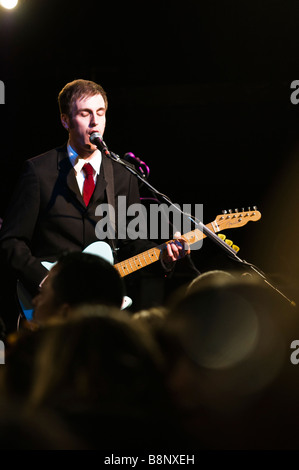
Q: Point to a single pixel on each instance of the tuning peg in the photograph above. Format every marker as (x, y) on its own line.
(223, 237)
(224, 212)
(229, 242)
(235, 248)
(230, 211)
(236, 210)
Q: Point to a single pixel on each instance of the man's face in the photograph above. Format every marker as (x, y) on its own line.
(88, 116)
(44, 303)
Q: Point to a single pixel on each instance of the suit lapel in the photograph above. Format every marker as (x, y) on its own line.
(67, 175)
(99, 190)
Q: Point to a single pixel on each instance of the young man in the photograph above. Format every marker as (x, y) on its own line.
(49, 213)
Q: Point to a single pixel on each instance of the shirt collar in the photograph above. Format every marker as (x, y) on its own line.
(78, 162)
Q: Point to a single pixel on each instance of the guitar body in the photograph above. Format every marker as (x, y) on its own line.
(101, 249)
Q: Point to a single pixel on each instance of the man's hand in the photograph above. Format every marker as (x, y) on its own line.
(175, 250)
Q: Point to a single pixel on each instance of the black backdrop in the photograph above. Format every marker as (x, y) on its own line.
(198, 90)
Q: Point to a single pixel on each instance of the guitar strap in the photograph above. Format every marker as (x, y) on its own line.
(109, 177)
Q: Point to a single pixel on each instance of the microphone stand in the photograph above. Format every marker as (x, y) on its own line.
(197, 223)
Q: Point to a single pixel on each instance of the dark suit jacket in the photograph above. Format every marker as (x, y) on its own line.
(47, 215)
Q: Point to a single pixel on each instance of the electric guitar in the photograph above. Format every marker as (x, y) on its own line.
(222, 222)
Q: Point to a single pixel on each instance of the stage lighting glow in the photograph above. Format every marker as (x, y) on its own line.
(9, 4)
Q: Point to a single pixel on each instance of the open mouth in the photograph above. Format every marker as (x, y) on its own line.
(93, 132)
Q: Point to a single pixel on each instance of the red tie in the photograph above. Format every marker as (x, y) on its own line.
(89, 185)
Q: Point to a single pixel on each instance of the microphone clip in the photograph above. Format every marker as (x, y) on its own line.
(140, 166)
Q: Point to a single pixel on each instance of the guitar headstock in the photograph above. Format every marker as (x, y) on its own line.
(236, 218)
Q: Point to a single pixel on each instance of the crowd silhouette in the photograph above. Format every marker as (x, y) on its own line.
(208, 370)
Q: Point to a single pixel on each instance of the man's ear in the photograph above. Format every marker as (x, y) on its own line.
(65, 120)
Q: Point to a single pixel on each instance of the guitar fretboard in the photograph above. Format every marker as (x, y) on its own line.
(152, 255)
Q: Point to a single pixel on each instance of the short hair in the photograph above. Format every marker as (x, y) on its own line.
(78, 89)
(83, 278)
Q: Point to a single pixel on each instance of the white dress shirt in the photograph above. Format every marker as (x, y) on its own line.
(78, 163)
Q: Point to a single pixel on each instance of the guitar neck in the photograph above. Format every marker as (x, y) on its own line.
(152, 255)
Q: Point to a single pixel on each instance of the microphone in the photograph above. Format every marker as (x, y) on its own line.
(96, 139)
(138, 163)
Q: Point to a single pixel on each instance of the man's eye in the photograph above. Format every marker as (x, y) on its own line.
(84, 113)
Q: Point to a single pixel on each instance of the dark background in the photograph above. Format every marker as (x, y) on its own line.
(198, 90)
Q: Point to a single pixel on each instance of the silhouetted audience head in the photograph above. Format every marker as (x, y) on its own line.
(20, 429)
(105, 355)
(152, 317)
(229, 368)
(76, 279)
(103, 374)
(216, 276)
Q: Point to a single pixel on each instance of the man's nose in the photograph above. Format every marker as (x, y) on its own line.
(94, 119)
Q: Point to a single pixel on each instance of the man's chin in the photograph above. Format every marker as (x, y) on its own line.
(84, 149)
(90, 148)
(87, 150)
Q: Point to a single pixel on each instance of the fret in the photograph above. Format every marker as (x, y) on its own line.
(120, 269)
(126, 265)
(196, 235)
(149, 254)
(137, 262)
(143, 254)
(137, 266)
(129, 261)
(192, 237)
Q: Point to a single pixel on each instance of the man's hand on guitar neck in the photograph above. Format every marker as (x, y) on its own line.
(174, 250)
